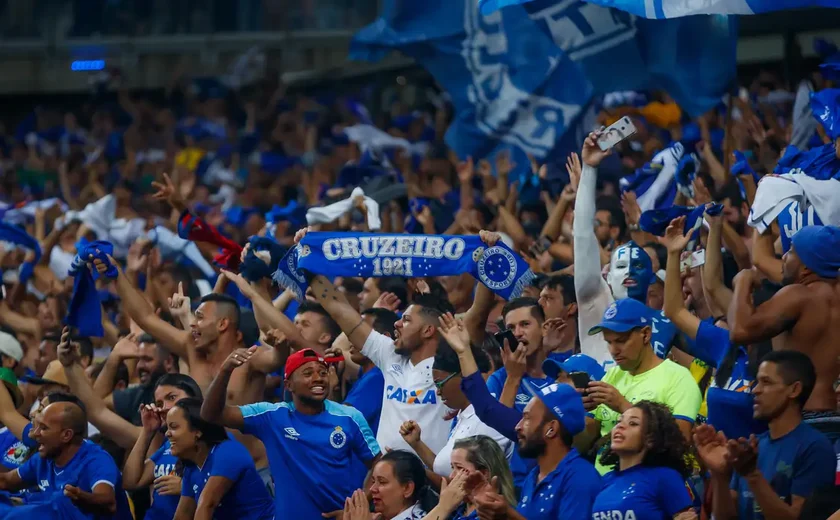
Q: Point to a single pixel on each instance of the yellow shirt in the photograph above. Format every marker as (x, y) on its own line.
(668, 383)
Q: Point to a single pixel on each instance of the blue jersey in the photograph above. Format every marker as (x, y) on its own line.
(90, 466)
(247, 499)
(495, 383)
(366, 396)
(794, 464)
(730, 408)
(307, 451)
(642, 493)
(566, 493)
(13, 452)
(163, 506)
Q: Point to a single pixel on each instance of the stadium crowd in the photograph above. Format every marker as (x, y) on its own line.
(668, 352)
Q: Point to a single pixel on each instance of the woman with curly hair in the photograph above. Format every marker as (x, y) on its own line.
(649, 457)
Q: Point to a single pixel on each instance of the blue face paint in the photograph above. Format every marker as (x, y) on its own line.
(630, 272)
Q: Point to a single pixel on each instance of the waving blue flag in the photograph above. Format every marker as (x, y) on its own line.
(825, 106)
(661, 9)
(509, 82)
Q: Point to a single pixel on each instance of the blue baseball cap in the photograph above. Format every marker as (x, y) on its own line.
(576, 363)
(566, 404)
(622, 316)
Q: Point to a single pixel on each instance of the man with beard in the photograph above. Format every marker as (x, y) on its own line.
(313, 444)
(735, 211)
(67, 465)
(630, 269)
(563, 484)
(776, 472)
(153, 360)
(804, 313)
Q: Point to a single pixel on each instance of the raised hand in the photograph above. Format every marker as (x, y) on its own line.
(179, 305)
(592, 154)
(573, 168)
(503, 163)
(491, 238)
(150, 417)
(166, 191)
(238, 357)
(410, 432)
(301, 233)
(102, 267)
(274, 337)
(387, 300)
(630, 206)
(68, 353)
(452, 493)
(465, 170)
(675, 240)
(136, 260)
(241, 283)
(553, 329)
(514, 360)
(455, 333)
(126, 348)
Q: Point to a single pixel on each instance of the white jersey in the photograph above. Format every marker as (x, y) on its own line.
(410, 395)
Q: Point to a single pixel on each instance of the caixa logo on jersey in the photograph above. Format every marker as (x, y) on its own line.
(407, 396)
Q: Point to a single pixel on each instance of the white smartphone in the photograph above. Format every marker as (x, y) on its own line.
(615, 133)
(694, 260)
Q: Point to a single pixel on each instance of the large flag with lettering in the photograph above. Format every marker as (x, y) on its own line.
(661, 9)
(509, 82)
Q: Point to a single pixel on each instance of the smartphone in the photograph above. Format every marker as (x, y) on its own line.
(507, 335)
(615, 133)
(540, 246)
(580, 379)
(695, 259)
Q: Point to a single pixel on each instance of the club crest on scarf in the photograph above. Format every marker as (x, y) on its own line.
(378, 255)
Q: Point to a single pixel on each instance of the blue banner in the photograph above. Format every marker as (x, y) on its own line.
(509, 82)
(661, 9)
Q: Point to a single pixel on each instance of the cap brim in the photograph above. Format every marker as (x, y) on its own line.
(613, 326)
(552, 368)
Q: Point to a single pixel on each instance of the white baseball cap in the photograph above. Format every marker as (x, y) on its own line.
(9, 346)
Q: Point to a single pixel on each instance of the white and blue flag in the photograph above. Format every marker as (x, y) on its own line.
(509, 82)
(662, 9)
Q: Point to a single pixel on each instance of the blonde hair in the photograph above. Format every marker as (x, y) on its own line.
(486, 455)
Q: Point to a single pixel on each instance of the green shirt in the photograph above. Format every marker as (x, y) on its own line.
(669, 384)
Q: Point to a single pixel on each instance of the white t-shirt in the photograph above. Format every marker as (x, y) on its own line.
(410, 395)
(468, 424)
(414, 512)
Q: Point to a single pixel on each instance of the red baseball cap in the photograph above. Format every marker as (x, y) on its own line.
(300, 358)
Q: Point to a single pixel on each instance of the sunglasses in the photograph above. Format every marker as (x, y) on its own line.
(439, 384)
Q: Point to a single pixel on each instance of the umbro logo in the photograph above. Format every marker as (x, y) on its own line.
(291, 433)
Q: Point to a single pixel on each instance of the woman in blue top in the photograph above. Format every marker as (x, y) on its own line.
(476, 461)
(158, 469)
(650, 460)
(219, 477)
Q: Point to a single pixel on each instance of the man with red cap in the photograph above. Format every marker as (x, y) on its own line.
(313, 444)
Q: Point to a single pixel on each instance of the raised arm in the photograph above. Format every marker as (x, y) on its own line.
(215, 408)
(764, 255)
(139, 310)
(713, 268)
(139, 471)
(674, 306)
(588, 281)
(9, 416)
(476, 316)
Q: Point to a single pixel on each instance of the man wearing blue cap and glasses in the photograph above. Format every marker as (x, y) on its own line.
(563, 485)
(639, 374)
(803, 314)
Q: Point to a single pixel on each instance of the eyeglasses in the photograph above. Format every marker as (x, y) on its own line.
(439, 384)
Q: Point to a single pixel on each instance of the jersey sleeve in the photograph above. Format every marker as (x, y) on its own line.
(155, 457)
(28, 471)
(683, 396)
(379, 348)
(259, 417)
(813, 469)
(28, 441)
(230, 460)
(496, 383)
(674, 495)
(101, 469)
(712, 343)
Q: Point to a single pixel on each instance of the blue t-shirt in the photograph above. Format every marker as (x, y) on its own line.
(91, 465)
(642, 492)
(730, 409)
(366, 396)
(495, 383)
(794, 464)
(307, 451)
(13, 452)
(247, 499)
(163, 506)
(567, 492)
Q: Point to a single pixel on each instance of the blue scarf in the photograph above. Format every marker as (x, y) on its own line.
(656, 221)
(253, 268)
(820, 163)
(85, 311)
(824, 106)
(19, 236)
(380, 254)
